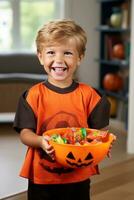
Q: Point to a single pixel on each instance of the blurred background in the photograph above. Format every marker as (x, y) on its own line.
(108, 67)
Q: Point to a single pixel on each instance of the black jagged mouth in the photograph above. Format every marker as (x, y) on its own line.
(79, 164)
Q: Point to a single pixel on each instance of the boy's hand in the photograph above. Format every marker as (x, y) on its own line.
(47, 147)
(109, 151)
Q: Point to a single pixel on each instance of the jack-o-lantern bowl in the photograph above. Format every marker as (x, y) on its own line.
(86, 147)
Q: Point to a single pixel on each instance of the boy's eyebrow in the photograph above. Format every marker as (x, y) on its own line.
(50, 46)
(66, 49)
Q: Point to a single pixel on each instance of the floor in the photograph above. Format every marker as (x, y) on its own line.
(115, 182)
(116, 179)
(12, 153)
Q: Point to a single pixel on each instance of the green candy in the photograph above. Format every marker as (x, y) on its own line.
(54, 137)
(64, 140)
(58, 139)
(84, 132)
(95, 133)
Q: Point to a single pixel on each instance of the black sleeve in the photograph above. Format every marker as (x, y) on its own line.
(99, 118)
(24, 117)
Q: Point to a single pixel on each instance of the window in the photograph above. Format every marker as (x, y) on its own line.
(20, 20)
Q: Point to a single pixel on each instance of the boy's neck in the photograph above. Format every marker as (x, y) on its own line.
(60, 84)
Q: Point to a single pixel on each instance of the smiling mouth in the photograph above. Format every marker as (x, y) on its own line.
(59, 69)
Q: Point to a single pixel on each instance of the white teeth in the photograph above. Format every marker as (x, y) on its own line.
(59, 69)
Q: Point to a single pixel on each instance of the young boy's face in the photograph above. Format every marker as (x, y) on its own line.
(60, 61)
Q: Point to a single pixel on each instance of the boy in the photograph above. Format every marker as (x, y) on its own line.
(55, 103)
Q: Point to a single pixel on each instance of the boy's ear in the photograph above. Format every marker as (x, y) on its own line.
(80, 59)
(78, 63)
(39, 55)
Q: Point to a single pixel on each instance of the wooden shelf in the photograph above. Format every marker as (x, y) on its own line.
(107, 1)
(118, 95)
(120, 63)
(106, 28)
(110, 36)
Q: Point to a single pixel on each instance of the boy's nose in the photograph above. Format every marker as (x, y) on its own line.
(59, 58)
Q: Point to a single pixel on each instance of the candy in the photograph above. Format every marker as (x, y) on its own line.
(79, 136)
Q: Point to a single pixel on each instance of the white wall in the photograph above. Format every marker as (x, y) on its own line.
(86, 14)
(130, 141)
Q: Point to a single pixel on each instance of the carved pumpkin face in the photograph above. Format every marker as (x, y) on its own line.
(75, 160)
(74, 156)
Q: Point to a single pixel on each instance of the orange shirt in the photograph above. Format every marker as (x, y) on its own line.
(56, 108)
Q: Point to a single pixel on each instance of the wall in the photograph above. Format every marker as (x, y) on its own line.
(86, 13)
(130, 141)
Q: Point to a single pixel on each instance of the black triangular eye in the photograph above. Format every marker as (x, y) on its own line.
(89, 157)
(70, 155)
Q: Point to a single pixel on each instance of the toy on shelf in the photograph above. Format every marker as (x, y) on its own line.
(116, 17)
(119, 51)
(112, 82)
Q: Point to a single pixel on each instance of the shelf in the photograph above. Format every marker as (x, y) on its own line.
(120, 63)
(107, 1)
(105, 28)
(109, 37)
(117, 95)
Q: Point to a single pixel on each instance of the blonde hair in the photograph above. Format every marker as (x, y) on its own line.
(61, 30)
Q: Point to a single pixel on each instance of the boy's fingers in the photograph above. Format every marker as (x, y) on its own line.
(48, 148)
(51, 154)
(109, 154)
(109, 151)
(46, 142)
(50, 151)
(46, 138)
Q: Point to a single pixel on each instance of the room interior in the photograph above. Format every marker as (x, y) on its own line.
(117, 177)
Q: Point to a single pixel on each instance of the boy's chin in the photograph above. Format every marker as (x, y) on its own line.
(58, 78)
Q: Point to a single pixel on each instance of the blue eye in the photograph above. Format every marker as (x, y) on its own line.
(50, 52)
(68, 53)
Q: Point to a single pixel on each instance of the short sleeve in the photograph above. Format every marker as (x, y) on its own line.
(24, 117)
(99, 117)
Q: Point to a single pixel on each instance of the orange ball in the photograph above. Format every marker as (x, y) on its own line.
(112, 82)
(119, 51)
